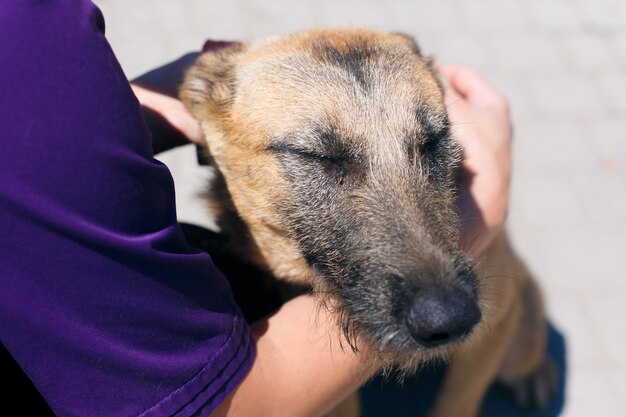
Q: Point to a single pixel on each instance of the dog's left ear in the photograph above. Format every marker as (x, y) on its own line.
(412, 43)
(210, 83)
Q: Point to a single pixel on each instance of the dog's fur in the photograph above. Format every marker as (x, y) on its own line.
(336, 168)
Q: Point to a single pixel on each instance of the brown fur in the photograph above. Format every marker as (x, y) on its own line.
(363, 111)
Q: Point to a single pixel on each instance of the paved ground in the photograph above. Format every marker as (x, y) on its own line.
(563, 66)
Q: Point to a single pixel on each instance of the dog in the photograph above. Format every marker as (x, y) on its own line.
(336, 169)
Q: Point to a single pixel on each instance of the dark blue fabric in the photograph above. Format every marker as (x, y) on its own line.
(385, 398)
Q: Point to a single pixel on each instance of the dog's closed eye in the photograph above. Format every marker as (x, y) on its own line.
(332, 165)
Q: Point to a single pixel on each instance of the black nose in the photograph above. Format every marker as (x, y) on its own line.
(442, 315)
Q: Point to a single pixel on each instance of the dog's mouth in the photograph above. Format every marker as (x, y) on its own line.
(406, 322)
(437, 329)
(397, 346)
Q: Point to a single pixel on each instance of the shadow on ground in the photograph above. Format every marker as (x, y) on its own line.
(415, 396)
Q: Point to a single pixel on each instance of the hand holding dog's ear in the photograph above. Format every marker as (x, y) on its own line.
(482, 125)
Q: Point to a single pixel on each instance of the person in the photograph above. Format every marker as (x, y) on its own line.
(103, 304)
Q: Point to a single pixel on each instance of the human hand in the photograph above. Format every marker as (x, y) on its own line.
(482, 126)
(167, 118)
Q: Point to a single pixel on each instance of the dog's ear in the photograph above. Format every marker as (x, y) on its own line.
(210, 83)
(410, 42)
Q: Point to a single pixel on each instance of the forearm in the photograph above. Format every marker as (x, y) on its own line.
(301, 368)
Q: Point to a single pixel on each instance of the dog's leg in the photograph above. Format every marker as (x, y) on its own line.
(527, 368)
(513, 349)
(475, 365)
(472, 370)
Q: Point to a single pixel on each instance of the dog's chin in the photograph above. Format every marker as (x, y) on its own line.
(388, 341)
(397, 350)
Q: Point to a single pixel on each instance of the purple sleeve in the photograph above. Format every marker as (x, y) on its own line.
(102, 303)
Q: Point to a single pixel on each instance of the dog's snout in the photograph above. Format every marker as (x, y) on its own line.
(440, 316)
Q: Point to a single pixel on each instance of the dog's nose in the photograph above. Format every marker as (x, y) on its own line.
(440, 316)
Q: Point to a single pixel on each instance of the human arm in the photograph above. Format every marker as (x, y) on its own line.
(301, 368)
(103, 304)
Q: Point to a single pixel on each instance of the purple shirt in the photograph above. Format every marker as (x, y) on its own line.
(102, 303)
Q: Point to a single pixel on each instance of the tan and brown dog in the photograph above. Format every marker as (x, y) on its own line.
(336, 169)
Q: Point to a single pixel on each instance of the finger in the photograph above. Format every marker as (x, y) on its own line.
(168, 119)
(470, 85)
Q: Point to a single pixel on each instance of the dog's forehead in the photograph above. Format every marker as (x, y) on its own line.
(359, 82)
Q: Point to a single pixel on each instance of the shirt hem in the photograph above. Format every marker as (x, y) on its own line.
(208, 388)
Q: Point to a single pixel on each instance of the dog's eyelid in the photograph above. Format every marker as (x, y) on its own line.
(288, 148)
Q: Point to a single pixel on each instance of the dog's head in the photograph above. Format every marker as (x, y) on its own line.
(336, 151)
